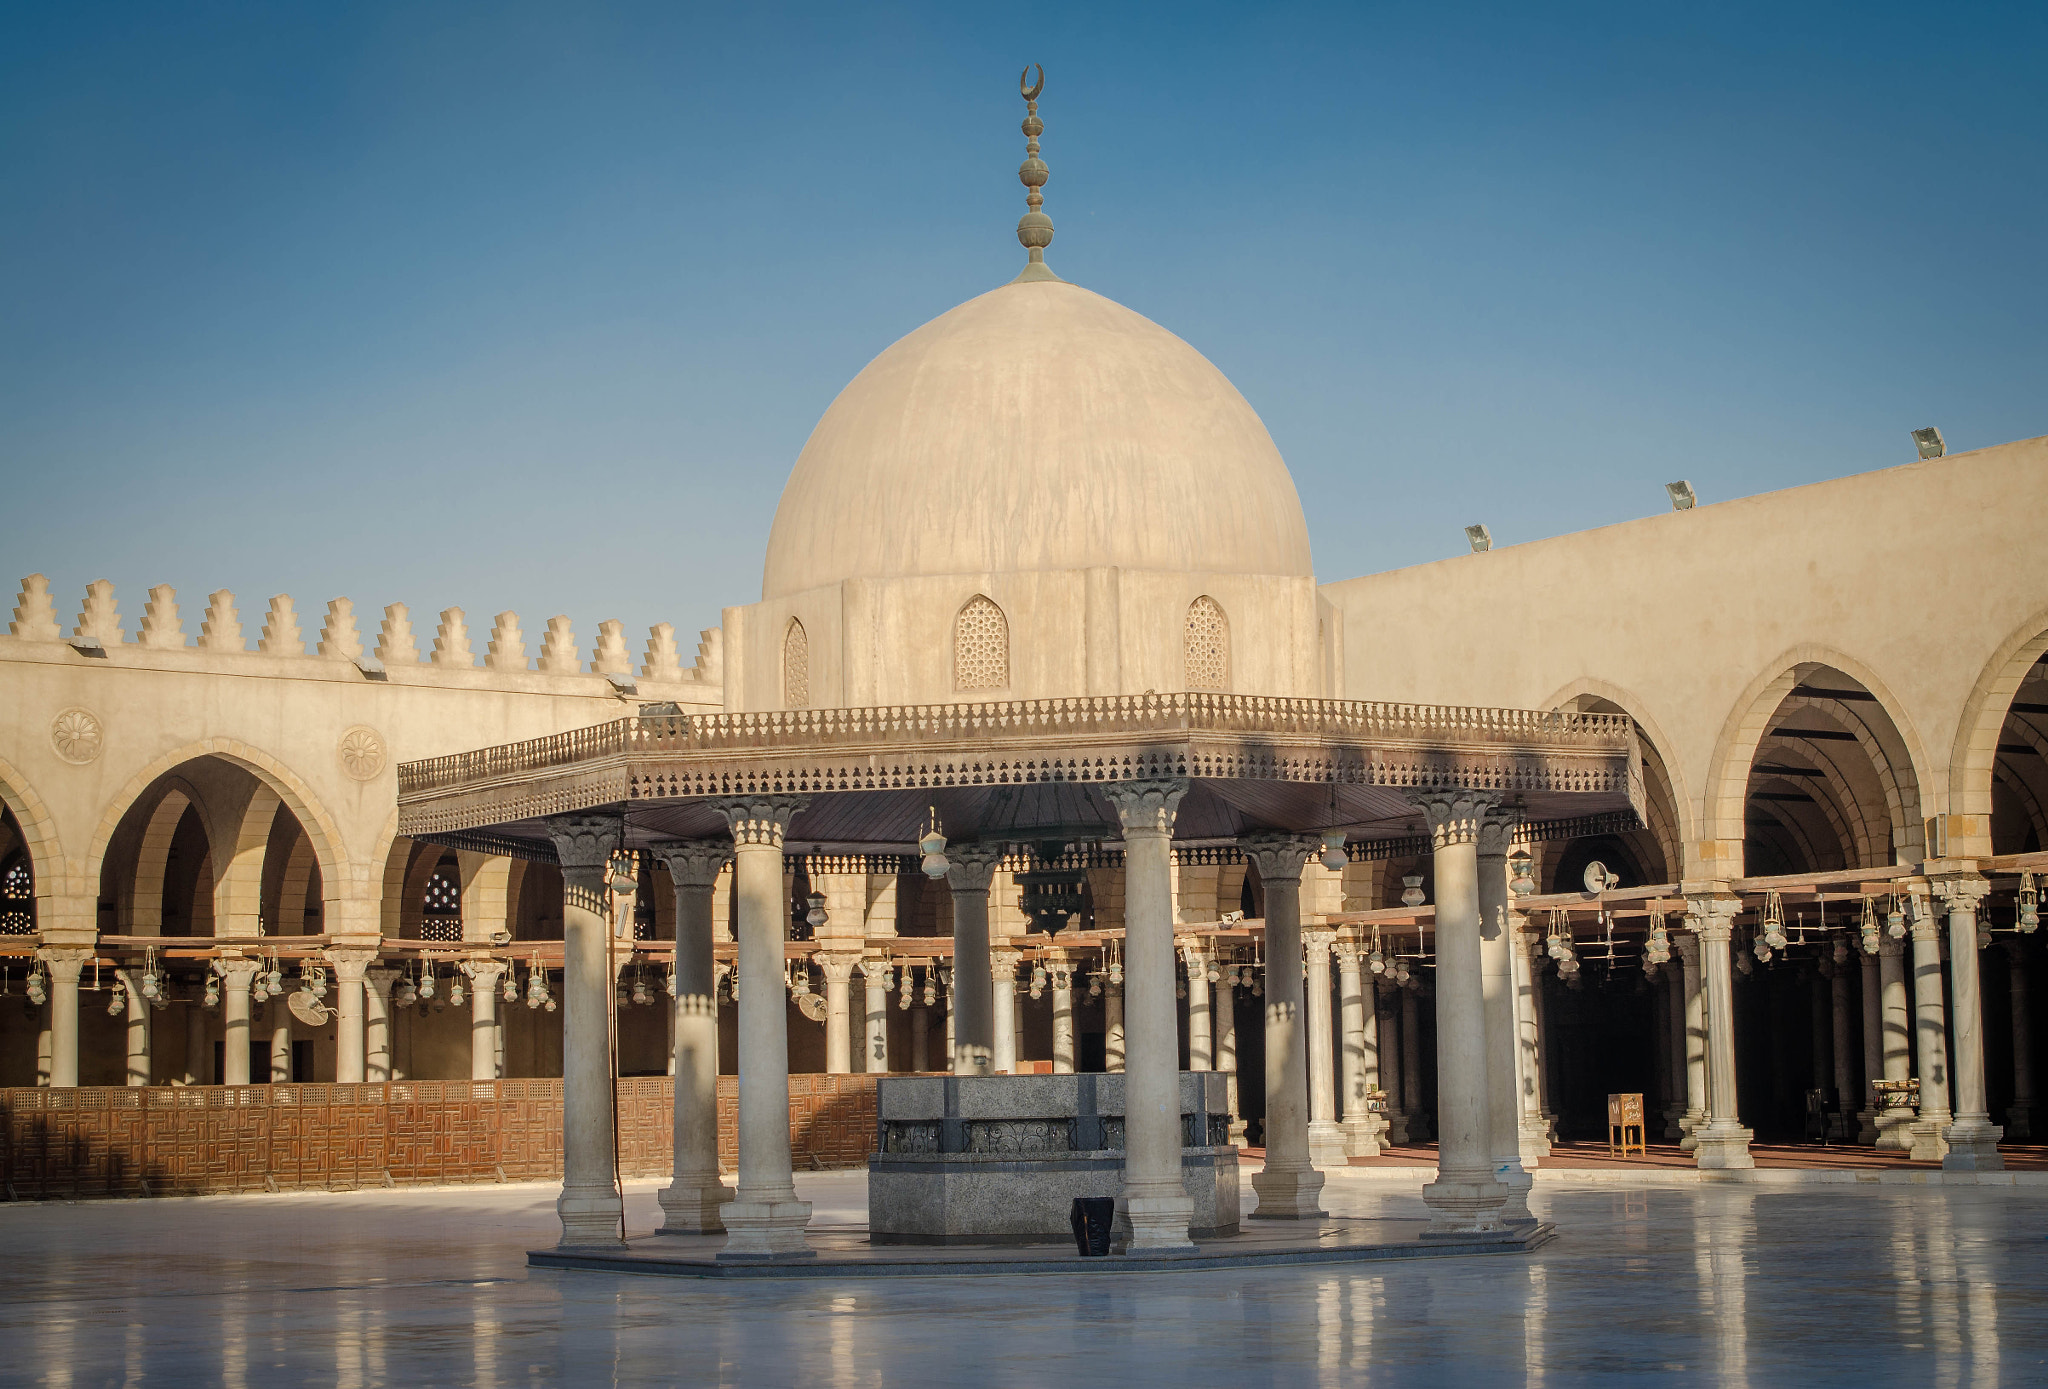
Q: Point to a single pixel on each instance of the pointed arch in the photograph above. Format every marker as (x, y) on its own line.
(38, 830)
(796, 666)
(1668, 813)
(1205, 646)
(1974, 752)
(981, 646)
(140, 909)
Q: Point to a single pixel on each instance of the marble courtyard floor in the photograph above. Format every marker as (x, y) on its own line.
(1718, 1285)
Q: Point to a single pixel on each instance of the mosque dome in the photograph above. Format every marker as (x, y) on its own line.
(1038, 427)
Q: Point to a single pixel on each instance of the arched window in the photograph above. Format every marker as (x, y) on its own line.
(17, 898)
(441, 913)
(981, 647)
(1208, 646)
(796, 667)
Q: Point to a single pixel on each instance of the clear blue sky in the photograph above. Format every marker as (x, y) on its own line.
(532, 306)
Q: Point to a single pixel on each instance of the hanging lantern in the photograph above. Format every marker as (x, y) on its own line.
(508, 985)
(117, 1003)
(931, 847)
(1867, 926)
(455, 991)
(405, 993)
(426, 984)
(2030, 905)
(671, 987)
(1333, 855)
(1522, 882)
(1895, 919)
(931, 988)
(39, 985)
(1772, 928)
(816, 915)
(1411, 890)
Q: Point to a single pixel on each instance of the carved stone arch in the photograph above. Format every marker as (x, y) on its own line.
(981, 646)
(139, 908)
(2037, 817)
(1725, 797)
(1205, 646)
(796, 666)
(293, 885)
(1974, 751)
(1668, 812)
(39, 838)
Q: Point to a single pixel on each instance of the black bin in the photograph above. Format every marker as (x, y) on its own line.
(1092, 1217)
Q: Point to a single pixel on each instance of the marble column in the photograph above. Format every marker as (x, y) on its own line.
(350, 1044)
(1678, 1040)
(1930, 1034)
(483, 1016)
(2019, 1115)
(874, 974)
(1972, 1138)
(1872, 993)
(1063, 1018)
(280, 1020)
(1695, 1020)
(1361, 1127)
(764, 1219)
(971, 870)
(1466, 1197)
(1842, 1034)
(1325, 1134)
(589, 1207)
(1112, 1027)
(1201, 1015)
(1535, 1128)
(1154, 1192)
(64, 966)
(1226, 1051)
(1894, 1126)
(1500, 930)
(235, 978)
(696, 1191)
(1721, 1142)
(138, 1030)
(1420, 1130)
(1002, 966)
(838, 969)
(198, 1071)
(920, 1043)
(1289, 1187)
(1387, 1020)
(377, 1023)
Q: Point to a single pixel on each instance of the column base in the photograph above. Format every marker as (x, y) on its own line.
(1515, 1211)
(1674, 1122)
(1689, 1125)
(1894, 1130)
(1722, 1147)
(1973, 1146)
(766, 1230)
(1535, 1136)
(1866, 1128)
(1326, 1144)
(1362, 1135)
(1288, 1195)
(1928, 1143)
(1464, 1207)
(590, 1218)
(1158, 1223)
(1397, 1127)
(1239, 1132)
(2019, 1120)
(691, 1206)
(1420, 1129)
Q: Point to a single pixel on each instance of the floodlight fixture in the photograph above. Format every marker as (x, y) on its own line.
(1929, 442)
(1683, 498)
(1480, 537)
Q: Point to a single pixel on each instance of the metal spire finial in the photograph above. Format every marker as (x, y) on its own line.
(1034, 229)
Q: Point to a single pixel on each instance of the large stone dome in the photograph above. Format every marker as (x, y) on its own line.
(1037, 427)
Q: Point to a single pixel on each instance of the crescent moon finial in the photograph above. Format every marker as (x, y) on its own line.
(1029, 92)
(1034, 230)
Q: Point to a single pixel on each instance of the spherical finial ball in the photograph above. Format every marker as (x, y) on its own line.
(1034, 231)
(1032, 173)
(1033, 126)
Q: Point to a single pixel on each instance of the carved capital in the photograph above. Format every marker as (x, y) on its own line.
(759, 819)
(237, 973)
(1145, 806)
(1317, 940)
(1712, 918)
(349, 966)
(381, 980)
(1278, 857)
(1003, 964)
(693, 862)
(485, 971)
(584, 845)
(1498, 828)
(837, 965)
(971, 866)
(1888, 945)
(1962, 891)
(1348, 952)
(1688, 949)
(1454, 816)
(65, 962)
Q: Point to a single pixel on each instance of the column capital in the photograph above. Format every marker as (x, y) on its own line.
(1890, 946)
(1711, 916)
(349, 965)
(1923, 924)
(693, 862)
(1145, 806)
(1317, 940)
(238, 971)
(837, 965)
(1454, 814)
(1004, 963)
(1688, 948)
(1278, 857)
(1349, 950)
(63, 961)
(1962, 891)
(759, 819)
(485, 970)
(1498, 828)
(584, 845)
(381, 980)
(972, 866)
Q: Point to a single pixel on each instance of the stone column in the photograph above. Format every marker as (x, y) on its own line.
(765, 1220)
(64, 965)
(2019, 1115)
(1387, 1018)
(1842, 1033)
(483, 975)
(691, 1201)
(1681, 1089)
(1972, 1138)
(1695, 1021)
(280, 1021)
(1360, 1126)
(1872, 991)
(920, 1043)
(350, 1043)
(377, 1023)
(589, 1207)
(1201, 1015)
(1002, 966)
(838, 967)
(1539, 1010)
(196, 1043)
(1289, 1187)
(1325, 1134)
(1112, 1027)
(1419, 1127)
(1930, 1034)
(1155, 1194)
(1894, 1126)
(1721, 1143)
(138, 1030)
(1466, 1197)
(1062, 1019)
(1500, 930)
(874, 974)
(235, 977)
(972, 867)
(1535, 1128)
(1226, 1053)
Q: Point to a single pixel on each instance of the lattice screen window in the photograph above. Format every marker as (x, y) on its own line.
(981, 647)
(796, 667)
(17, 899)
(441, 916)
(1208, 646)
